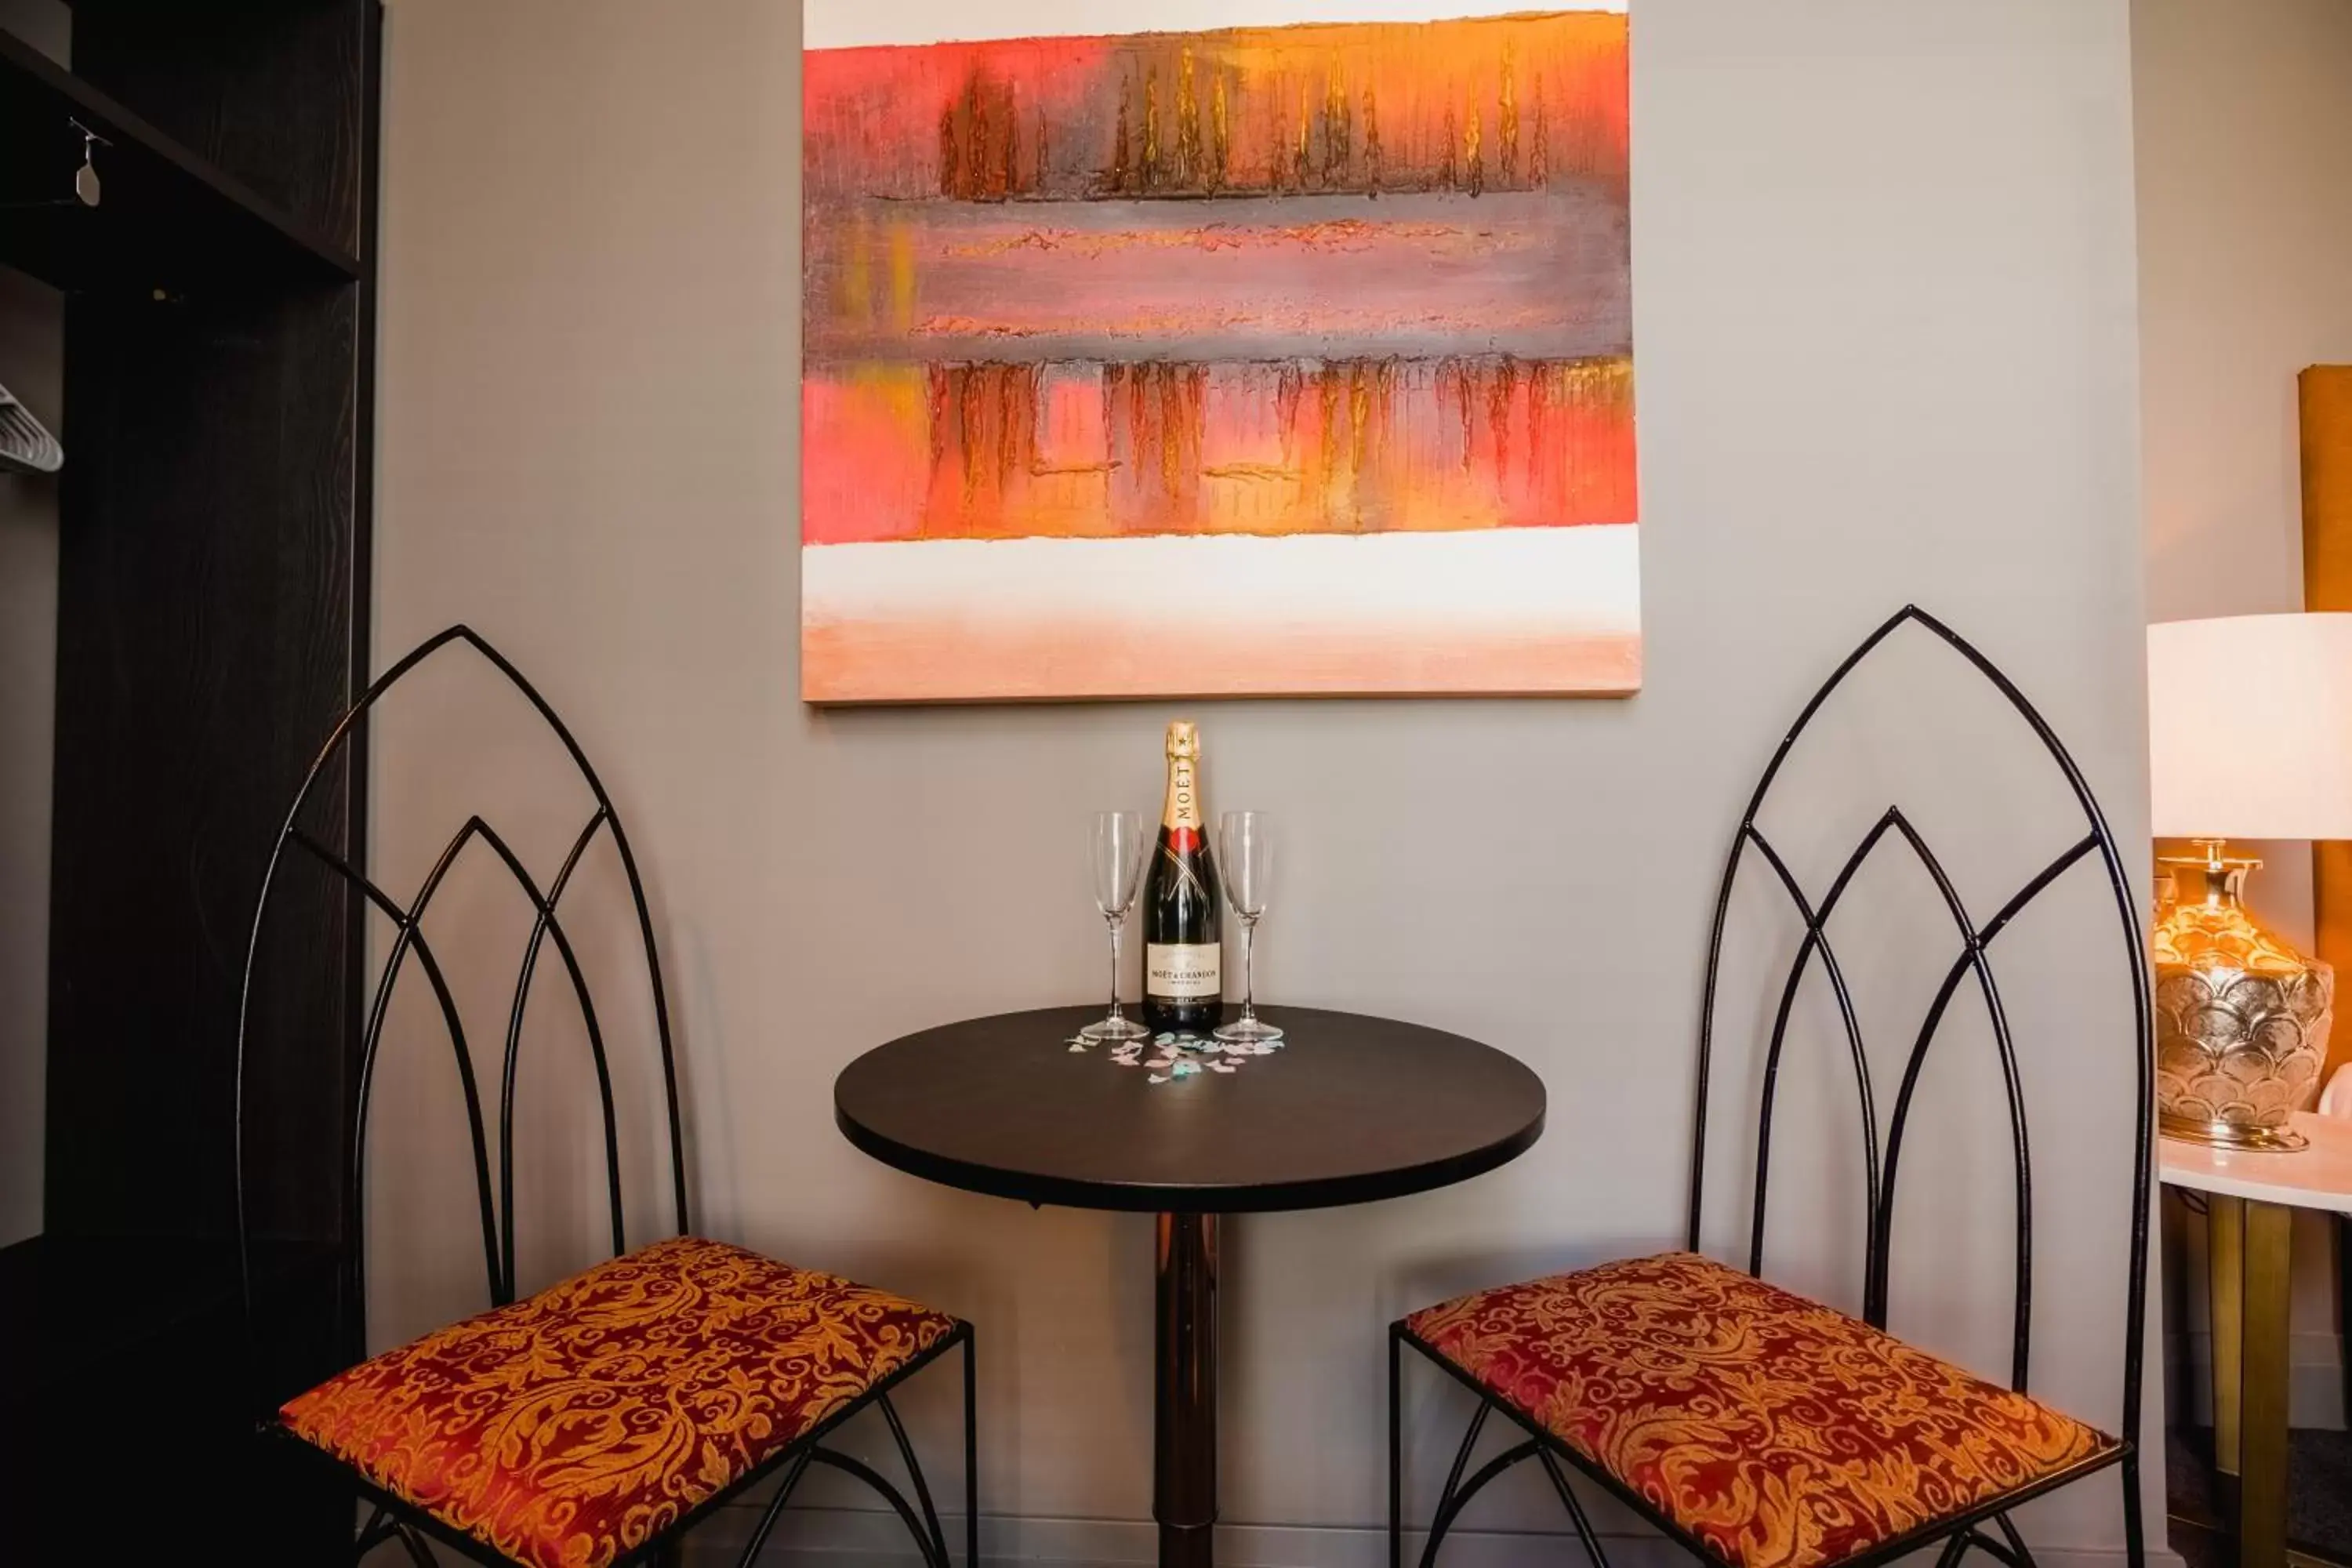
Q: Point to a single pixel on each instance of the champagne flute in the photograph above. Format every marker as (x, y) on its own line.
(1117, 844)
(1246, 855)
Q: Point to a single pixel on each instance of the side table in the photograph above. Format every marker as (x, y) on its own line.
(2250, 1197)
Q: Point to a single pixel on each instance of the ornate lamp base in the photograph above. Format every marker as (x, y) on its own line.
(2229, 1135)
(2241, 1018)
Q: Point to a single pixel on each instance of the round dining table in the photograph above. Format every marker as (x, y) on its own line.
(1349, 1110)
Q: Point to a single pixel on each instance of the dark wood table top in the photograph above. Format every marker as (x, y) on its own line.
(1350, 1110)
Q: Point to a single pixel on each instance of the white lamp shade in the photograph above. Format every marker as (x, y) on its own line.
(2250, 727)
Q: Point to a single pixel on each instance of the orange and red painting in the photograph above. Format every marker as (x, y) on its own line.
(1268, 360)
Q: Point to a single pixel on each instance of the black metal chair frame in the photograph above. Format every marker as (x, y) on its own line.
(393, 1520)
(1965, 1529)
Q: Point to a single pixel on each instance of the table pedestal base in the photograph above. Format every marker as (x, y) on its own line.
(1184, 1437)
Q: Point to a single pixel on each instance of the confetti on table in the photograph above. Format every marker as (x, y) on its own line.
(1179, 1054)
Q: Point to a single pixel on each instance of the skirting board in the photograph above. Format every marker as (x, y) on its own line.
(860, 1538)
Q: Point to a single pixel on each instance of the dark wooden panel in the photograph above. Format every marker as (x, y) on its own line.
(272, 90)
(84, 1329)
(213, 545)
(208, 549)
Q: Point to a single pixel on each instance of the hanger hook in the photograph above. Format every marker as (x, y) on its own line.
(86, 185)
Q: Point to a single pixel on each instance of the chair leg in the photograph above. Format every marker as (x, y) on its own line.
(381, 1528)
(1584, 1531)
(938, 1543)
(1449, 1500)
(775, 1509)
(972, 1449)
(2024, 1553)
(881, 1487)
(1458, 1492)
(930, 1535)
(2134, 1524)
(1396, 1449)
(373, 1534)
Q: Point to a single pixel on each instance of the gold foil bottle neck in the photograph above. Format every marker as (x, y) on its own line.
(1184, 807)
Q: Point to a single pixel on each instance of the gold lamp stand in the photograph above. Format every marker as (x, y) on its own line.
(2241, 1018)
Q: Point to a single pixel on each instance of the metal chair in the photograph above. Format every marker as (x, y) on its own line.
(1753, 1426)
(601, 1418)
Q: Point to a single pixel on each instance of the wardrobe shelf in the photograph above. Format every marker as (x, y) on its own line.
(167, 219)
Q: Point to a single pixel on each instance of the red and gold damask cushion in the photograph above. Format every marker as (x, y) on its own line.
(572, 1426)
(1775, 1431)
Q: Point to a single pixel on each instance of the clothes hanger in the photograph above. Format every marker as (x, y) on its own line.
(24, 445)
(87, 188)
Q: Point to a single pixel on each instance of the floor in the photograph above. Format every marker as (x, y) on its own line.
(2319, 1493)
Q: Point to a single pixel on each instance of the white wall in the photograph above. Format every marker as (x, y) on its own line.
(1884, 283)
(2243, 130)
(32, 363)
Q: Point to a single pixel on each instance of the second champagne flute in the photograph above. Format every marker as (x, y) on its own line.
(1117, 856)
(1246, 847)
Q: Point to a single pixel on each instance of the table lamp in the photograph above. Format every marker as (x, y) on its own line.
(2249, 736)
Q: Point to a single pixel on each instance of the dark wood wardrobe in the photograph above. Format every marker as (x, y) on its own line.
(213, 597)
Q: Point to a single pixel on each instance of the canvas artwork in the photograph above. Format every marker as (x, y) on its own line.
(1280, 359)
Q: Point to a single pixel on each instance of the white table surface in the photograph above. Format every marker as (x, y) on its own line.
(2319, 1177)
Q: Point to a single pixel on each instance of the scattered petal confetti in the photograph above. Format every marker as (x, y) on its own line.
(1178, 1054)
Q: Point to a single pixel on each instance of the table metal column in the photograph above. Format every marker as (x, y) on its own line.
(2248, 1251)
(1185, 1452)
(2225, 1281)
(2264, 1377)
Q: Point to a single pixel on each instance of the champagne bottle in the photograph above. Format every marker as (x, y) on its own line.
(1183, 953)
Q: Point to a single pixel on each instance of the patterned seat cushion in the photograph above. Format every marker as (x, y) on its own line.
(1777, 1432)
(571, 1427)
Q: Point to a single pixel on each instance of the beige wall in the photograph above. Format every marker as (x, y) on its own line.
(32, 363)
(2243, 128)
(1885, 313)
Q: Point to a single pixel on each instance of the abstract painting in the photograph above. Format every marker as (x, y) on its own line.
(1282, 359)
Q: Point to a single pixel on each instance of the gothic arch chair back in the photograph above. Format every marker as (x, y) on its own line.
(601, 1418)
(1753, 1426)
